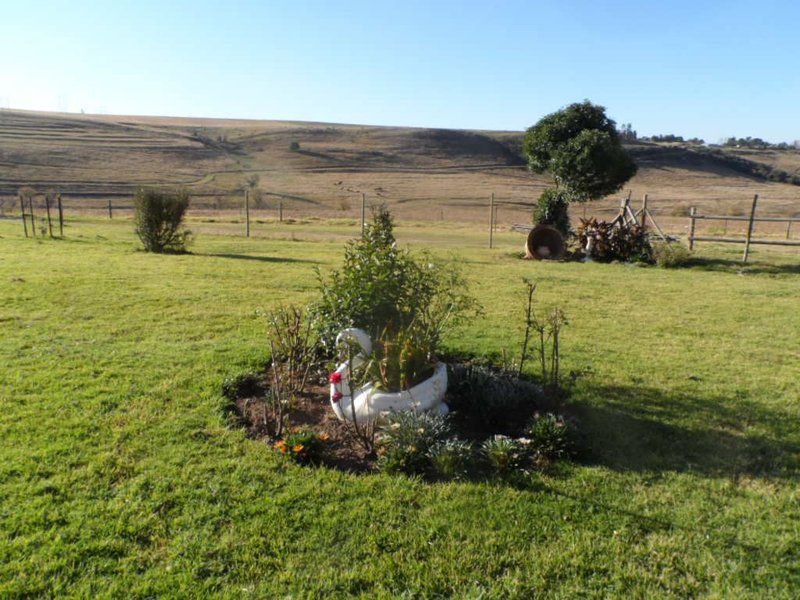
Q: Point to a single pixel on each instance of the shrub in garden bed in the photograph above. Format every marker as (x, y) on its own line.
(489, 397)
(492, 431)
(385, 290)
(404, 303)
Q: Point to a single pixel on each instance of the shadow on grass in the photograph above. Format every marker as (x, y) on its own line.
(635, 429)
(727, 265)
(268, 259)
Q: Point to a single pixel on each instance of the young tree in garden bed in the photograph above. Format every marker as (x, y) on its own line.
(385, 290)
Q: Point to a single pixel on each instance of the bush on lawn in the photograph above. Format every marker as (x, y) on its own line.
(671, 254)
(303, 445)
(159, 220)
(505, 455)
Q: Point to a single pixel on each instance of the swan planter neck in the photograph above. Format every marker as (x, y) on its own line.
(368, 403)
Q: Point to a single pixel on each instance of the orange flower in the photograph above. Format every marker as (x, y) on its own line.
(297, 448)
(281, 445)
(324, 436)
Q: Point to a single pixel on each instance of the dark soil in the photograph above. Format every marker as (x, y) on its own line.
(344, 451)
(312, 410)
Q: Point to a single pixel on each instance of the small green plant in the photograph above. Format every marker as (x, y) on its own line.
(671, 254)
(241, 386)
(550, 437)
(407, 439)
(292, 358)
(303, 445)
(504, 455)
(548, 332)
(452, 459)
(293, 346)
(400, 360)
(159, 220)
(552, 209)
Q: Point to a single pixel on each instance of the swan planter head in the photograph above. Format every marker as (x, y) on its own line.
(367, 403)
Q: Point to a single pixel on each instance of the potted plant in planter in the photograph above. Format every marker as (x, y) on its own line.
(396, 372)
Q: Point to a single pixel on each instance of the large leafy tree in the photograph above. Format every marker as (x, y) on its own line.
(580, 147)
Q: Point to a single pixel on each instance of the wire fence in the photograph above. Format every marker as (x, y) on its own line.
(267, 206)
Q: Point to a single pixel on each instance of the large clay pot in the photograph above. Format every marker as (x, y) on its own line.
(545, 243)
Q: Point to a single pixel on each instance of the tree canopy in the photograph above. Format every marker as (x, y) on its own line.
(580, 146)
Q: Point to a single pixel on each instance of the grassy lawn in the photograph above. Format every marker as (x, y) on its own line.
(119, 476)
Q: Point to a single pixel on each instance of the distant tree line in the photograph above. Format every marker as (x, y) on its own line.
(669, 137)
(751, 142)
(731, 142)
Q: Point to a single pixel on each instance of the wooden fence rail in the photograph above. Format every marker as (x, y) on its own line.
(748, 239)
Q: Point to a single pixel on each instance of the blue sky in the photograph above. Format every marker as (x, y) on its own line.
(693, 68)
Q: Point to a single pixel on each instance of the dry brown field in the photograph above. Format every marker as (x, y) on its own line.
(322, 169)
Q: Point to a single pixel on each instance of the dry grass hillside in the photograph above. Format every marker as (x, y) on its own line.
(322, 168)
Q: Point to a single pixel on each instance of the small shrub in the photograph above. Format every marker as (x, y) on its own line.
(504, 455)
(680, 210)
(381, 287)
(493, 397)
(294, 146)
(549, 437)
(552, 209)
(242, 386)
(293, 346)
(304, 446)
(407, 440)
(452, 459)
(159, 220)
(671, 254)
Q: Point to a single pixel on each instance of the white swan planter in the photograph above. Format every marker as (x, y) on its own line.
(367, 403)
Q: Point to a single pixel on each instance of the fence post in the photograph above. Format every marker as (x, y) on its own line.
(33, 218)
(24, 216)
(750, 229)
(644, 211)
(110, 214)
(247, 213)
(60, 216)
(692, 213)
(363, 212)
(788, 229)
(491, 220)
(47, 207)
(280, 210)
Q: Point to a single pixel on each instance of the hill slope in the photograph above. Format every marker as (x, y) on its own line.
(328, 165)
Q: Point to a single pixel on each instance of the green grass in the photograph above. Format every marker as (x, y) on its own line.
(119, 477)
